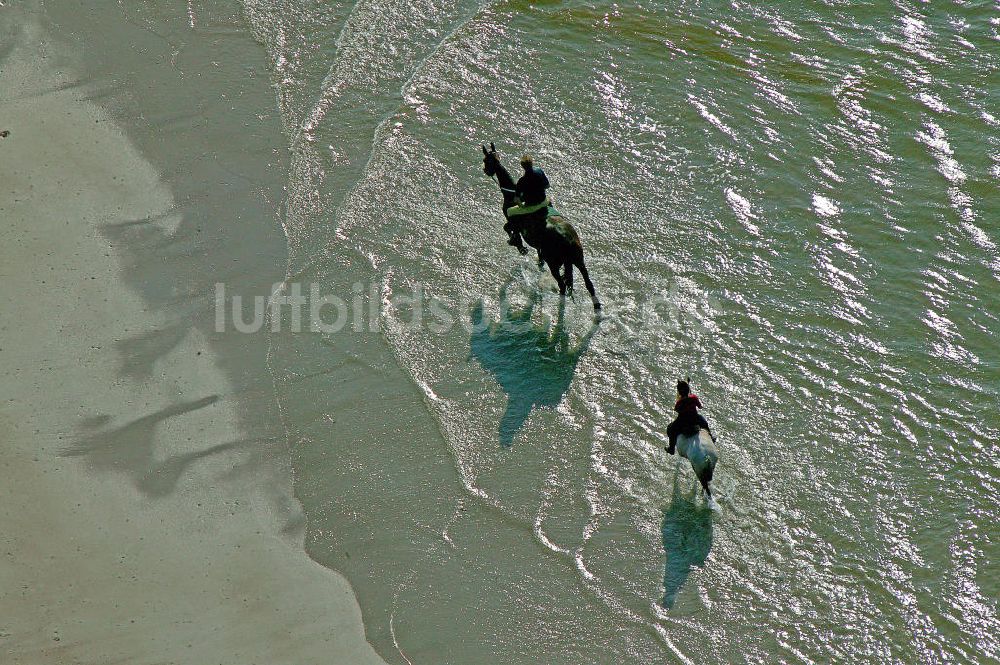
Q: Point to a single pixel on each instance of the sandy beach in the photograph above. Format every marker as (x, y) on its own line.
(146, 513)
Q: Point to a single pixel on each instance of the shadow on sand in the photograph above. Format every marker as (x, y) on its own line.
(130, 448)
(687, 539)
(533, 362)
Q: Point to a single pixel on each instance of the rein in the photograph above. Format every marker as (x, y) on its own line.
(502, 188)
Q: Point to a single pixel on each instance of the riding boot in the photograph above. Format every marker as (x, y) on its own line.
(672, 431)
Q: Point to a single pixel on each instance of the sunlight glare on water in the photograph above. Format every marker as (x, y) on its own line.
(793, 204)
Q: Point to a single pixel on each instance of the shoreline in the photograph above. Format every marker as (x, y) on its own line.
(148, 511)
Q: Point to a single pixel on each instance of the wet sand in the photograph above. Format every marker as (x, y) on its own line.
(146, 513)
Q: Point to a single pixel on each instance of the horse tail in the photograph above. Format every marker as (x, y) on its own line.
(577, 260)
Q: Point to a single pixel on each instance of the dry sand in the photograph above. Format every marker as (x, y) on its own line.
(143, 519)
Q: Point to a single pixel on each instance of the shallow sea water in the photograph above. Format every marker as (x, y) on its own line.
(795, 205)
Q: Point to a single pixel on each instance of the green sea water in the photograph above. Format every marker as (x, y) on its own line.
(794, 204)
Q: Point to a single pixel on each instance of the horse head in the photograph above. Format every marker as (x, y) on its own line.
(491, 163)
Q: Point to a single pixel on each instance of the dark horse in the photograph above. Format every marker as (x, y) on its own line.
(556, 240)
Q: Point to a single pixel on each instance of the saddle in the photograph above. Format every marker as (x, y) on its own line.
(522, 210)
(544, 214)
(692, 429)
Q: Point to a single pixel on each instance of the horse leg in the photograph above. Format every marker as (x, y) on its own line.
(568, 276)
(706, 477)
(554, 269)
(514, 235)
(590, 285)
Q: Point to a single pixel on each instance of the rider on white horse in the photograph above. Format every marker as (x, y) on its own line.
(688, 418)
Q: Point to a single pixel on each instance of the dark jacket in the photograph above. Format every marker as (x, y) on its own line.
(531, 187)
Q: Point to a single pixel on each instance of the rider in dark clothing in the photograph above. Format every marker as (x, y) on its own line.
(532, 185)
(531, 190)
(688, 418)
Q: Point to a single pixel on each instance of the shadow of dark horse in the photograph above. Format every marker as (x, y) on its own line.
(687, 540)
(534, 363)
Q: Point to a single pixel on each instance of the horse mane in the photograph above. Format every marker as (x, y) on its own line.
(503, 175)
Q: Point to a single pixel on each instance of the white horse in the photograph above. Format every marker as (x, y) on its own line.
(699, 448)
